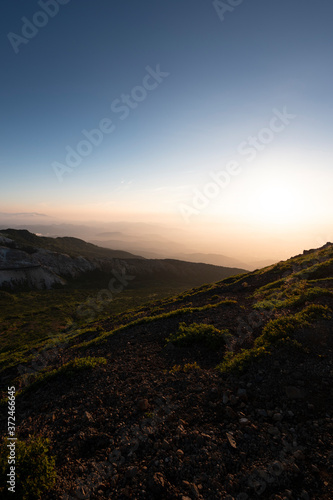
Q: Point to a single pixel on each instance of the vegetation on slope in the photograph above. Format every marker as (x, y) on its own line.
(241, 330)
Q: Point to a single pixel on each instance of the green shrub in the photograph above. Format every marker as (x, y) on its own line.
(270, 286)
(34, 469)
(185, 368)
(291, 293)
(276, 332)
(199, 333)
(318, 270)
(277, 329)
(315, 312)
(242, 360)
(282, 328)
(158, 317)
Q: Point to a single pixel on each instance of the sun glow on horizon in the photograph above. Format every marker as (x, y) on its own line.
(276, 204)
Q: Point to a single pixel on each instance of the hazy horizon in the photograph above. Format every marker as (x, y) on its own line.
(154, 239)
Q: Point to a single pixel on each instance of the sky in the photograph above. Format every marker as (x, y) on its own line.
(214, 118)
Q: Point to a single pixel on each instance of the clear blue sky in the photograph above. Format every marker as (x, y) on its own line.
(225, 78)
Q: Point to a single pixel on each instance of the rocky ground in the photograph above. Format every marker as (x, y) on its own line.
(132, 429)
(136, 429)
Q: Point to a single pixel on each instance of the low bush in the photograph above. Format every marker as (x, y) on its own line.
(34, 469)
(199, 333)
(278, 329)
(240, 361)
(185, 368)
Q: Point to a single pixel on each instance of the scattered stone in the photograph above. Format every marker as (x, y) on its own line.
(143, 404)
(231, 440)
(242, 496)
(214, 393)
(88, 417)
(242, 394)
(194, 490)
(82, 493)
(262, 413)
(157, 483)
(202, 438)
(299, 455)
(230, 412)
(293, 392)
(131, 472)
(276, 468)
(115, 456)
(233, 400)
(274, 431)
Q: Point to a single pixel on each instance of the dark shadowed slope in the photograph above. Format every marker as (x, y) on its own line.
(222, 392)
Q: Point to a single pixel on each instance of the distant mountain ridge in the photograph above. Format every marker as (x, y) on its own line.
(41, 262)
(66, 244)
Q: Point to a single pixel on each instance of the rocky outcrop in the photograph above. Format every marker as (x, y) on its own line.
(41, 269)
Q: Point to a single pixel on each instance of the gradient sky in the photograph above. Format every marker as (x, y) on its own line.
(225, 78)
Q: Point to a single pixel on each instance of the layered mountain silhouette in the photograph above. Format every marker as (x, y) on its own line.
(28, 260)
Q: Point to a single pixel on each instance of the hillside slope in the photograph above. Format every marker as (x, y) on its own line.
(235, 406)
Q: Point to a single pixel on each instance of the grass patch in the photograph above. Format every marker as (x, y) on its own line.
(33, 320)
(277, 329)
(185, 368)
(291, 293)
(158, 317)
(277, 332)
(34, 468)
(315, 312)
(317, 270)
(240, 361)
(199, 333)
(285, 327)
